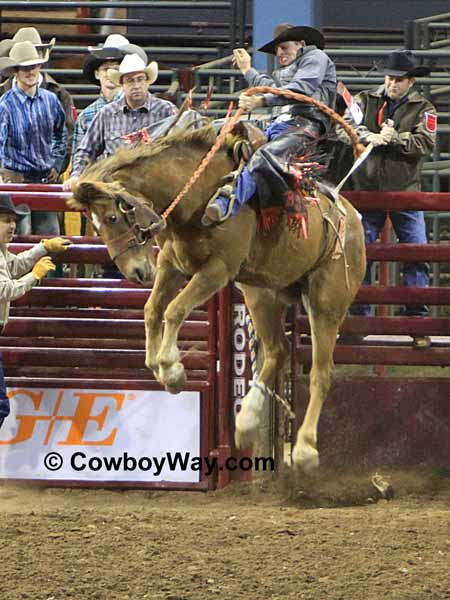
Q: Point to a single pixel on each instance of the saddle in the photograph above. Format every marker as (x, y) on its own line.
(244, 139)
(242, 142)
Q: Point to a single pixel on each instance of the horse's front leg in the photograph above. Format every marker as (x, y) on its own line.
(267, 312)
(167, 281)
(206, 282)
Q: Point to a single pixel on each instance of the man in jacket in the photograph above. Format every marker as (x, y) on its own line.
(295, 127)
(19, 272)
(401, 125)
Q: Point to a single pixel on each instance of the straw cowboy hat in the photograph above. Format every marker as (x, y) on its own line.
(114, 48)
(133, 63)
(288, 33)
(27, 34)
(23, 54)
(400, 63)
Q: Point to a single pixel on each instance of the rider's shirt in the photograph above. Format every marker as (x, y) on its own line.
(312, 73)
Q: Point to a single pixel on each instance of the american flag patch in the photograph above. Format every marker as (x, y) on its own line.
(430, 122)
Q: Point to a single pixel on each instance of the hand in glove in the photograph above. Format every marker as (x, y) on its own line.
(242, 60)
(389, 134)
(56, 245)
(42, 267)
(249, 103)
(376, 139)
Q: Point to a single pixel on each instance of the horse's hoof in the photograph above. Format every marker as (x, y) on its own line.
(173, 378)
(152, 365)
(247, 423)
(244, 439)
(305, 457)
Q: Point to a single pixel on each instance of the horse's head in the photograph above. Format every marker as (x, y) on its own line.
(126, 223)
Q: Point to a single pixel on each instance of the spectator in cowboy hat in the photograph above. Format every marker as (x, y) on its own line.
(135, 110)
(47, 82)
(96, 65)
(33, 135)
(19, 272)
(401, 125)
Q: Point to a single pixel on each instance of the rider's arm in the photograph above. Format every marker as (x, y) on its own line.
(309, 77)
(254, 78)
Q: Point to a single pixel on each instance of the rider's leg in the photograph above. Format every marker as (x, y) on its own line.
(245, 189)
(217, 210)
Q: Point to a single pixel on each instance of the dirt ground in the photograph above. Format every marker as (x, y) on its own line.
(330, 538)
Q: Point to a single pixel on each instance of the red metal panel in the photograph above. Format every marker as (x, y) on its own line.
(77, 253)
(382, 355)
(194, 331)
(380, 294)
(388, 325)
(81, 357)
(409, 252)
(376, 423)
(399, 200)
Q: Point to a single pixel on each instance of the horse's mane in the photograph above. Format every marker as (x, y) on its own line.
(127, 157)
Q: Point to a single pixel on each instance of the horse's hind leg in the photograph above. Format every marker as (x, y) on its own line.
(326, 299)
(324, 329)
(267, 313)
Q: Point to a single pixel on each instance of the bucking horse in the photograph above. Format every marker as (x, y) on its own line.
(130, 199)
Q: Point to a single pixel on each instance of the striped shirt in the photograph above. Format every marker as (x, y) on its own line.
(85, 118)
(33, 135)
(116, 119)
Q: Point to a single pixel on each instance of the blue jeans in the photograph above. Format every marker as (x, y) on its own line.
(4, 400)
(246, 185)
(409, 226)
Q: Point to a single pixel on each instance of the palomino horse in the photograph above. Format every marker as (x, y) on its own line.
(127, 193)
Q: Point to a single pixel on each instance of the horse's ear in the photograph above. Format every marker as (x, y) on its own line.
(85, 193)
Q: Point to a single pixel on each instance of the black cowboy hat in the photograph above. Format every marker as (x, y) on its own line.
(7, 206)
(97, 58)
(311, 37)
(400, 63)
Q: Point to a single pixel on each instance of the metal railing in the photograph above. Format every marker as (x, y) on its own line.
(429, 32)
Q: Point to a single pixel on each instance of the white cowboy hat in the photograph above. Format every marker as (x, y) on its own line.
(119, 42)
(23, 54)
(27, 34)
(133, 63)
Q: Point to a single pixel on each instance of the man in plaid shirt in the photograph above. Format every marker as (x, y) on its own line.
(95, 70)
(137, 109)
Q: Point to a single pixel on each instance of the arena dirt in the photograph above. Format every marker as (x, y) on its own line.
(328, 538)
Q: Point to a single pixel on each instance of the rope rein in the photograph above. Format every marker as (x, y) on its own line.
(358, 148)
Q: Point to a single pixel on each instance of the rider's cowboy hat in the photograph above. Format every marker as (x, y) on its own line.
(311, 37)
(27, 34)
(23, 54)
(7, 206)
(114, 48)
(400, 63)
(133, 63)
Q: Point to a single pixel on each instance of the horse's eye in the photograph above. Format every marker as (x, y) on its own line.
(112, 219)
